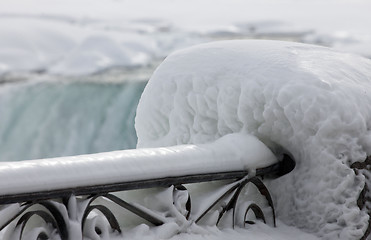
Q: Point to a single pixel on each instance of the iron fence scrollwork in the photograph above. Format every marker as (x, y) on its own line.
(66, 212)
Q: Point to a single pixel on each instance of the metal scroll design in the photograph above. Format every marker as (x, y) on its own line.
(61, 215)
(232, 203)
(48, 212)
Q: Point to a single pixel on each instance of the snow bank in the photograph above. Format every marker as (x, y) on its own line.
(82, 37)
(64, 48)
(235, 152)
(312, 101)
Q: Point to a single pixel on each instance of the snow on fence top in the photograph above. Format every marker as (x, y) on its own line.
(235, 152)
(312, 101)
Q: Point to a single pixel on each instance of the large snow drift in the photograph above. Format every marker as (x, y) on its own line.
(312, 101)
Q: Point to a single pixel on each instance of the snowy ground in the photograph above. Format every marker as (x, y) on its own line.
(256, 232)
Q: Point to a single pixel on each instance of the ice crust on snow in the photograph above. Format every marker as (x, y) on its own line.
(234, 152)
(312, 101)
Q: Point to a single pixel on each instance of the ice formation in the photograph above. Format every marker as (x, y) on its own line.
(50, 117)
(311, 101)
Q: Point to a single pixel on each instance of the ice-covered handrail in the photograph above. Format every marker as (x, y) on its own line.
(235, 152)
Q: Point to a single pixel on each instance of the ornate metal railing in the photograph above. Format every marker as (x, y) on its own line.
(65, 212)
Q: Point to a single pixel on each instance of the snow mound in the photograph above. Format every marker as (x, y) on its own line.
(312, 101)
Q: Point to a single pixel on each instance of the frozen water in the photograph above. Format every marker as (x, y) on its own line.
(52, 117)
(308, 100)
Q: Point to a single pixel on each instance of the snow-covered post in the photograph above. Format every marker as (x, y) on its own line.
(311, 101)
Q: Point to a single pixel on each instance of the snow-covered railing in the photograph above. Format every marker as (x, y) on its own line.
(64, 192)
